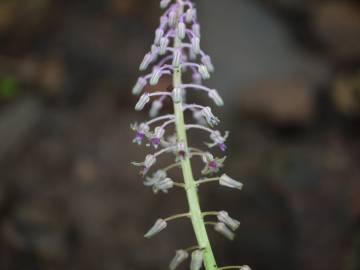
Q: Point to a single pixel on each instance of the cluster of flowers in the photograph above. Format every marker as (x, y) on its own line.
(180, 22)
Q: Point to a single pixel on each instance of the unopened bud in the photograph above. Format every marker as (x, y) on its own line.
(155, 76)
(148, 58)
(177, 94)
(225, 231)
(190, 15)
(164, 3)
(181, 30)
(144, 99)
(227, 181)
(204, 72)
(159, 33)
(180, 256)
(159, 225)
(214, 95)
(164, 42)
(224, 217)
(172, 18)
(139, 86)
(195, 45)
(177, 58)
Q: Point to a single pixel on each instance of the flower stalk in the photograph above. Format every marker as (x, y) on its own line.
(176, 49)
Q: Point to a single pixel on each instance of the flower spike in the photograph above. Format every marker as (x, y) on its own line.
(177, 50)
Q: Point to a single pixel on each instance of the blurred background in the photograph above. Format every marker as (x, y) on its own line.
(289, 71)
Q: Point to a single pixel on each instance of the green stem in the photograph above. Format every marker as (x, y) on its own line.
(191, 187)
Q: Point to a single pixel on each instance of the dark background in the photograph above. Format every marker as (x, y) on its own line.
(289, 73)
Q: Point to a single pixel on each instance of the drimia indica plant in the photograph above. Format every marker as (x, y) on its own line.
(176, 51)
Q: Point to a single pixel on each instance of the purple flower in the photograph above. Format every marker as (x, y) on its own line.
(140, 132)
(155, 138)
(212, 165)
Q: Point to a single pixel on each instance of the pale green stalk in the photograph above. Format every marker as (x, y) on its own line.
(190, 185)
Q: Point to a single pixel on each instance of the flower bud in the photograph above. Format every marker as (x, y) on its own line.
(177, 95)
(206, 60)
(180, 256)
(190, 15)
(196, 29)
(214, 95)
(177, 58)
(159, 33)
(148, 58)
(172, 18)
(150, 160)
(197, 79)
(144, 99)
(164, 3)
(181, 30)
(204, 72)
(226, 181)
(224, 217)
(195, 45)
(139, 86)
(159, 225)
(155, 76)
(164, 42)
(163, 20)
(155, 108)
(225, 231)
(197, 258)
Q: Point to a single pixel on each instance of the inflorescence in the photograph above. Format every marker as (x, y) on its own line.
(176, 51)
